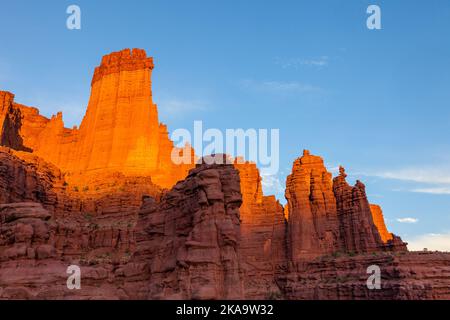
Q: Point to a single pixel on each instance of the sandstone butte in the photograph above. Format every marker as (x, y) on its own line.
(106, 196)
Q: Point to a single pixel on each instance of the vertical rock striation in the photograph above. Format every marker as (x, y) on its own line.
(263, 240)
(329, 216)
(313, 221)
(378, 219)
(95, 196)
(189, 242)
(120, 131)
(10, 122)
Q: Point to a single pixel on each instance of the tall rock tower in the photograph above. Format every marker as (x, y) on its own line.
(120, 131)
(328, 216)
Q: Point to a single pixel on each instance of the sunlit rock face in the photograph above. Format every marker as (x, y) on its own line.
(378, 219)
(108, 198)
(120, 131)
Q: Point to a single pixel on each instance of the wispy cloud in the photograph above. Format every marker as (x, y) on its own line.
(279, 87)
(423, 174)
(439, 190)
(437, 179)
(296, 63)
(431, 241)
(408, 220)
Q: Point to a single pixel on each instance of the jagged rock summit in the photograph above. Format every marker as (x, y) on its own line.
(107, 197)
(120, 131)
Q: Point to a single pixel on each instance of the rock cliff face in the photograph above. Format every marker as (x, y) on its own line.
(10, 122)
(196, 241)
(313, 219)
(190, 241)
(378, 219)
(119, 133)
(329, 216)
(263, 236)
(105, 197)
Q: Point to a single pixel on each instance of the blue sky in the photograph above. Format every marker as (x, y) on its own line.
(375, 101)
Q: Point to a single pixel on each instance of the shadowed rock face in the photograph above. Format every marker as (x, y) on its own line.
(189, 242)
(94, 197)
(263, 237)
(10, 123)
(196, 241)
(313, 220)
(329, 216)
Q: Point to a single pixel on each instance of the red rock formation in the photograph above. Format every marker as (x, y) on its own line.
(189, 243)
(404, 276)
(119, 133)
(358, 231)
(184, 245)
(262, 245)
(313, 220)
(378, 219)
(10, 122)
(25, 177)
(92, 197)
(327, 216)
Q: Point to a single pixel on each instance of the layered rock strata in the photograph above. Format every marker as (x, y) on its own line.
(328, 215)
(196, 241)
(95, 197)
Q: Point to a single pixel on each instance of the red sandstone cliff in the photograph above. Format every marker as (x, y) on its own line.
(378, 219)
(263, 239)
(93, 197)
(191, 242)
(120, 131)
(328, 216)
(313, 221)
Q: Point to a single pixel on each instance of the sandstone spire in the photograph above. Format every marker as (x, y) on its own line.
(120, 131)
(313, 221)
(328, 216)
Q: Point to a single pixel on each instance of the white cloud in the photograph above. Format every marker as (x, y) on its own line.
(437, 177)
(408, 220)
(423, 174)
(439, 190)
(271, 184)
(298, 62)
(431, 241)
(279, 87)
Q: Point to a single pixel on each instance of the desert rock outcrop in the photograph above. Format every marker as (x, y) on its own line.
(107, 197)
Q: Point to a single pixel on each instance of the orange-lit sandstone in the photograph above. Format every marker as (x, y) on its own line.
(378, 219)
(93, 196)
(120, 131)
